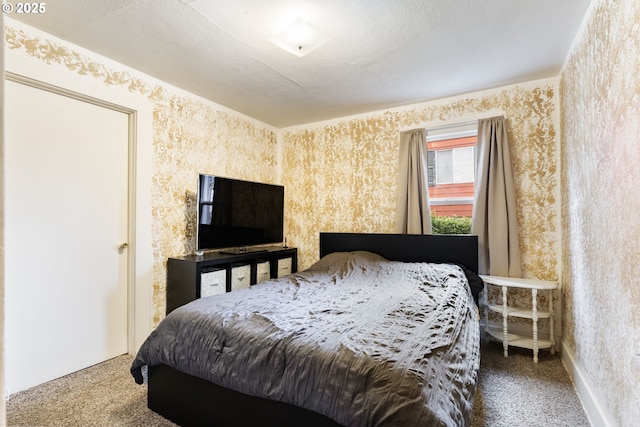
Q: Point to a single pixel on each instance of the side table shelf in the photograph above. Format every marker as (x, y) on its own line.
(533, 342)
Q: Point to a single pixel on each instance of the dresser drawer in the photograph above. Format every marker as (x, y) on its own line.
(213, 283)
(240, 277)
(263, 271)
(284, 266)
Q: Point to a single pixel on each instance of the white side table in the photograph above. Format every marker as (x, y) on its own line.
(519, 340)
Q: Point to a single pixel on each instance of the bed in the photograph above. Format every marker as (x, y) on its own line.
(382, 330)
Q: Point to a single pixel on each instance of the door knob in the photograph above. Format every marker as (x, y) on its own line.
(123, 246)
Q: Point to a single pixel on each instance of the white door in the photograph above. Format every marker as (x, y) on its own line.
(66, 183)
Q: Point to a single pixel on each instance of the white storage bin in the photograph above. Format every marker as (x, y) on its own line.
(284, 266)
(263, 271)
(213, 283)
(240, 277)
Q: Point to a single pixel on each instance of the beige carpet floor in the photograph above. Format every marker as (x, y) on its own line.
(515, 392)
(511, 392)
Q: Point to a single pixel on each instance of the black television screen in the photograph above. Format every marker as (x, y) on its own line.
(234, 213)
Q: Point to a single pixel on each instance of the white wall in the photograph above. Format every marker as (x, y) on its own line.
(3, 409)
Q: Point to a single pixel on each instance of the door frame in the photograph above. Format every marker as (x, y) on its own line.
(131, 185)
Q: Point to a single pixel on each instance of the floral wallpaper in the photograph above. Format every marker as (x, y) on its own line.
(339, 175)
(600, 154)
(342, 176)
(192, 137)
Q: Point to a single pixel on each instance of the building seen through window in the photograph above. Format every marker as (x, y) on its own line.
(451, 161)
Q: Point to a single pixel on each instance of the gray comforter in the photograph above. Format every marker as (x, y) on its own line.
(362, 340)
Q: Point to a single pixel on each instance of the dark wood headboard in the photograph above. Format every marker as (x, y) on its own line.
(458, 249)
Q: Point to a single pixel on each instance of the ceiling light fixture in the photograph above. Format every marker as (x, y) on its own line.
(299, 38)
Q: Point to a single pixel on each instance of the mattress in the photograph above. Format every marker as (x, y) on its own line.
(359, 339)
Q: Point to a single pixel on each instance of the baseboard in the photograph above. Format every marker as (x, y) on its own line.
(589, 396)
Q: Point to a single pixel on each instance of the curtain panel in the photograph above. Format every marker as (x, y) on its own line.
(413, 215)
(494, 218)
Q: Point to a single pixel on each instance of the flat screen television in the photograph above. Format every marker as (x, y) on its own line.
(238, 214)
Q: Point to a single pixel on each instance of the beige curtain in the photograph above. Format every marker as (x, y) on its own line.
(494, 210)
(413, 214)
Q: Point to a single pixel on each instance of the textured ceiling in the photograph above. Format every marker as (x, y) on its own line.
(380, 53)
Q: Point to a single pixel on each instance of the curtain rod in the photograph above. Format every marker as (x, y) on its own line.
(441, 127)
(451, 124)
(454, 125)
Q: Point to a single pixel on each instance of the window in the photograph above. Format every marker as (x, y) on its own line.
(451, 164)
(454, 166)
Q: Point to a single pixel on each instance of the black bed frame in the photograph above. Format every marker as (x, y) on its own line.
(453, 248)
(191, 401)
